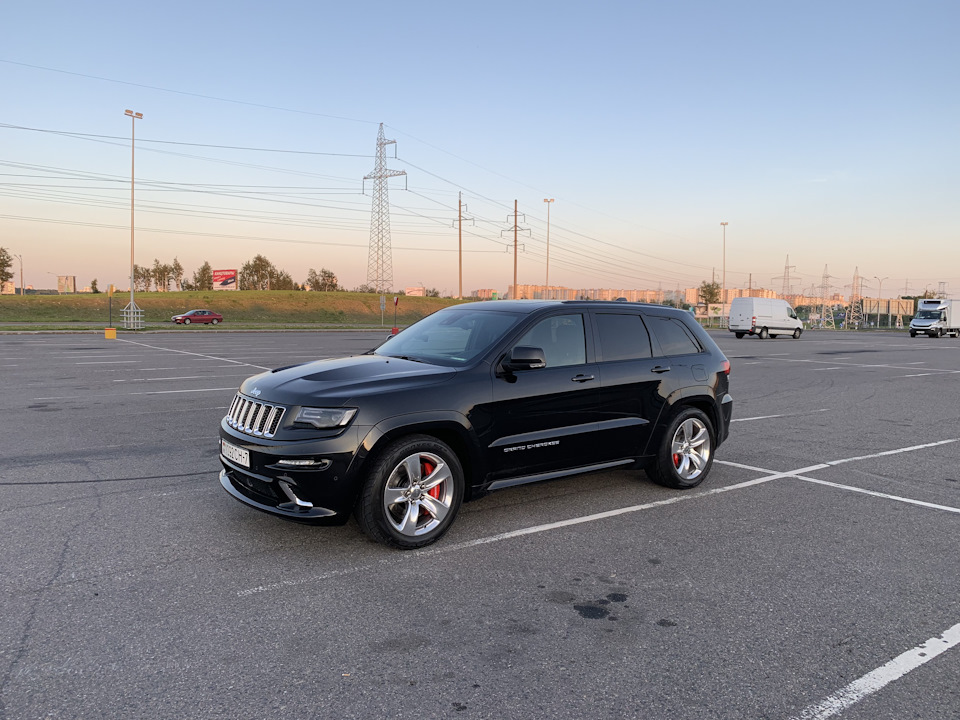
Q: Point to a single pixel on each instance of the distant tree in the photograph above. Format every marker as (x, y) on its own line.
(203, 277)
(162, 275)
(255, 274)
(93, 287)
(432, 292)
(709, 292)
(280, 280)
(142, 277)
(6, 263)
(365, 288)
(176, 274)
(324, 281)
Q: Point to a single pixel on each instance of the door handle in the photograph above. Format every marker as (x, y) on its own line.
(661, 369)
(582, 378)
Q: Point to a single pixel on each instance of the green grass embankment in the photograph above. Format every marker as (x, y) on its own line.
(275, 307)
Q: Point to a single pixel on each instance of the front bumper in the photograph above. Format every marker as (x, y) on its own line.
(320, 496)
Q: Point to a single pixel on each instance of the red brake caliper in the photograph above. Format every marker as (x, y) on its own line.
(428, 468)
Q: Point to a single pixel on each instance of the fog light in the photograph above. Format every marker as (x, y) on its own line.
(305, 463)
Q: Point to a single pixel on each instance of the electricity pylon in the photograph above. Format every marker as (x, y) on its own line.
(826, 306)
(379, 258)
(855, 313)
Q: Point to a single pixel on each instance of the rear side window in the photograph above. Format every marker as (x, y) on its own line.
(622, 337)
(673, 337)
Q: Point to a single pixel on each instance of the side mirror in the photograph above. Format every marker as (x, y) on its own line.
(524, 358)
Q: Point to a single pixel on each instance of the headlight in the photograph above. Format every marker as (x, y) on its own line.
(325, 418)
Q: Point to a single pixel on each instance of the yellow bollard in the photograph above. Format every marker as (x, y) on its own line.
(110, 334)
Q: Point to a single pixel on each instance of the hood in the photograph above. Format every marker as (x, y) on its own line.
(335, 382)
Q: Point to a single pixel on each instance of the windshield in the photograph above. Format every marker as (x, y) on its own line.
(928, 315)
(452, 337)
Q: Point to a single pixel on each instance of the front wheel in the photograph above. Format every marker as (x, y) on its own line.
(186, 321)
(913, 334)
(412, 493)
(764, 333)
(685, 454)
(796, 334)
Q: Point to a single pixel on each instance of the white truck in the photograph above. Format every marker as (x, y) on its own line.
(763, 317)
(935, 318)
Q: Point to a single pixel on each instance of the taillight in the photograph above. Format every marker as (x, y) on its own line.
(753, 321)
(725, 368)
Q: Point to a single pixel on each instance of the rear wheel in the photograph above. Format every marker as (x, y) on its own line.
(773, 336)
(738, 335)
(796, 334)
(214, 321)
(764, 334)
(412, 493)
(685, 454)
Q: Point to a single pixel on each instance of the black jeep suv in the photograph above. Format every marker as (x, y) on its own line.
(473, 398)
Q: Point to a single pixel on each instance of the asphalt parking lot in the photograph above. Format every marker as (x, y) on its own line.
(815, 574)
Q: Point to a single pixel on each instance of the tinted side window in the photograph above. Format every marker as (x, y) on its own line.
(561, 338)
(622, 337)
(674, 338)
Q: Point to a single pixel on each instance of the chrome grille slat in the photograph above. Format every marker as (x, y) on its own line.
(254, 418)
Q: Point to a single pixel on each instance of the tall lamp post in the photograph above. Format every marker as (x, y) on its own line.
(723, 291)
(132, 307)
(880, 297)
(20, 258)
(548, 201)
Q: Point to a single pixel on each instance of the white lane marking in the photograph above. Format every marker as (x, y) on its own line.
(209, 357)
(893, 452)
(829, 368)
(500, 536)
(767, 417)
(769, 475)
(864, 365)
(882, 676)
(116, 395)
(183, 377)
(886, 496)
(106, 362)
(917, 375)
(170, 392)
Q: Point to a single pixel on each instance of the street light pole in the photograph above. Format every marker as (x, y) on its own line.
(20, 258)
(879, 297)
(723, 292)
(548, 201)
(133, 120)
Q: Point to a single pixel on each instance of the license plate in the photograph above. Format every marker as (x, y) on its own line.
(237, 455)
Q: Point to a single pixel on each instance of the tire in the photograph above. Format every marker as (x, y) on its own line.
(796, 334)
(939, 332)
(214, 321)
(913, 334)
(186, 321)
(764, 334)
(685, 455)
(412, 493)
(739, 336)
(773, 336)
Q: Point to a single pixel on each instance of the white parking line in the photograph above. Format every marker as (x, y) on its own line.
(209, 357)
(882, 676)
(767, 417)
(885, 496)
(768, 475)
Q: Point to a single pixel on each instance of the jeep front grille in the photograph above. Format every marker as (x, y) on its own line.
(254, 418)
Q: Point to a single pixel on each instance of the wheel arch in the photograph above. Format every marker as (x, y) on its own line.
(705, 403)
(450, 428)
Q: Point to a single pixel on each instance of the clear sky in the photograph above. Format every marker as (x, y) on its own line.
(826, 131)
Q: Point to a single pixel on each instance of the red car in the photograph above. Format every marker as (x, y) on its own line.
(198, 316)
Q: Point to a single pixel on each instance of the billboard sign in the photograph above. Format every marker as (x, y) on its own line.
(66, 284)
(225, 280)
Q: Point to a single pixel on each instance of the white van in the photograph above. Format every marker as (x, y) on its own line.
(764, 317)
